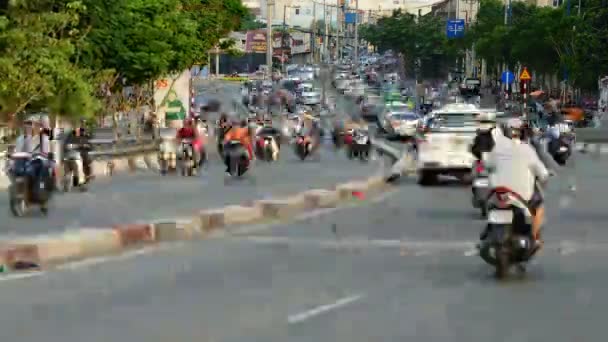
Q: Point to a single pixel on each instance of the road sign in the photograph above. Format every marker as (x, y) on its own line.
(525, 75)
(507, 77)
(350, 18)
(455, 28)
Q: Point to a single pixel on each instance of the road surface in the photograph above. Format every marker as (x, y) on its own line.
(339, 277)
(124, 199)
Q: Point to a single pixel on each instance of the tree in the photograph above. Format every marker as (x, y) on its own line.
(61, 55)
(37, 43)
(249, 22)
(421, 42)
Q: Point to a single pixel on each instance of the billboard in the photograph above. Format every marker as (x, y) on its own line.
(256, 41)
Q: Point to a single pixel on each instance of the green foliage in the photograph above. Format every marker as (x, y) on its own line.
(545, 39)
(249, 22)
(417, 39)
(37, 43)
(63, 55)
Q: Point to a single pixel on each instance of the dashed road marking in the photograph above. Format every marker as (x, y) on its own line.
(308, 314)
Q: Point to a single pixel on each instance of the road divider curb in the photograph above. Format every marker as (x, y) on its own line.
(48, 251)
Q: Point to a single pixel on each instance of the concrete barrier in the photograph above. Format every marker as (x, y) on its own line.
(49, 251)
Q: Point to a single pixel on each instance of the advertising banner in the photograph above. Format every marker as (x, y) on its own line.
(256, 41)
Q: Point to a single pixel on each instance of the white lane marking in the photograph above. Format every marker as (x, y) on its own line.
(274, 240)
(104, 259)
(305, 315)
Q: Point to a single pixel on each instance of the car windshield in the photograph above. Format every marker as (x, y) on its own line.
(454, 120)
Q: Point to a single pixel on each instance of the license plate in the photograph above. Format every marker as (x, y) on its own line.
(563, 149)
(500, 216)
(481, 183)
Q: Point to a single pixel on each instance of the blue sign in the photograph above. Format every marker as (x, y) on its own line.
(350, 18)
(455, 28)
(507, 77)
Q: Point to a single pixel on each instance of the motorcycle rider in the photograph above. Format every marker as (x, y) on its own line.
(35, 140)
(80, 138)
(268, 129)
(484, 142)
(515, 164)
(310, 129)
(189, 131)
(242, 134)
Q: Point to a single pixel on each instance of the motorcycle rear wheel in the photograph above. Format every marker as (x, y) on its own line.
(502, 263)
(18, 206)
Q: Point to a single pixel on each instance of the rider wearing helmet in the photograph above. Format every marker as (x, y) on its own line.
(190, 132)
(268, 130)
(484, 142)
(240, 132)
(515, 165)
(309, 128)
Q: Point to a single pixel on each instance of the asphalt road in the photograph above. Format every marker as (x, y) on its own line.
(125, 199)
(148, 196)
(343, 276)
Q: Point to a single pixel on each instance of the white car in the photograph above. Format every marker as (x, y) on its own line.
(342, 84)
(311, 98)
(403, 124)
(356, 88)
(445, 149)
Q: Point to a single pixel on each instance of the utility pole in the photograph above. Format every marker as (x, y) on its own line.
(283, 40)
(339, 23)
(325, 31)
(357, 33)
(504, 65)
(314, 31)
(269, 4)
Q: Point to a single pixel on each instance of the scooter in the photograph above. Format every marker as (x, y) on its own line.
(561, 149)
(23, 192)
(167, 157)
(507, 240)
(187, 157)
(264, 148)
(73, 175)
(480, 188)
(303, 147)
(359, 146)
(237, 159)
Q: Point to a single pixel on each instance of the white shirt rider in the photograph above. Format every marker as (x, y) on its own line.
(515, 165)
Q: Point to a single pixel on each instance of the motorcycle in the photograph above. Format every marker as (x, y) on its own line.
(264, 148)
(303, 147)
(237, 159)
(480, 187)
(23, 193)
(187, 157)
(167, 156)
(359, 146)
(73, 176)
(508, 239)
(561, 149)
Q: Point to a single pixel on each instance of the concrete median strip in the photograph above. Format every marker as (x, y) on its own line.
(49, 251)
